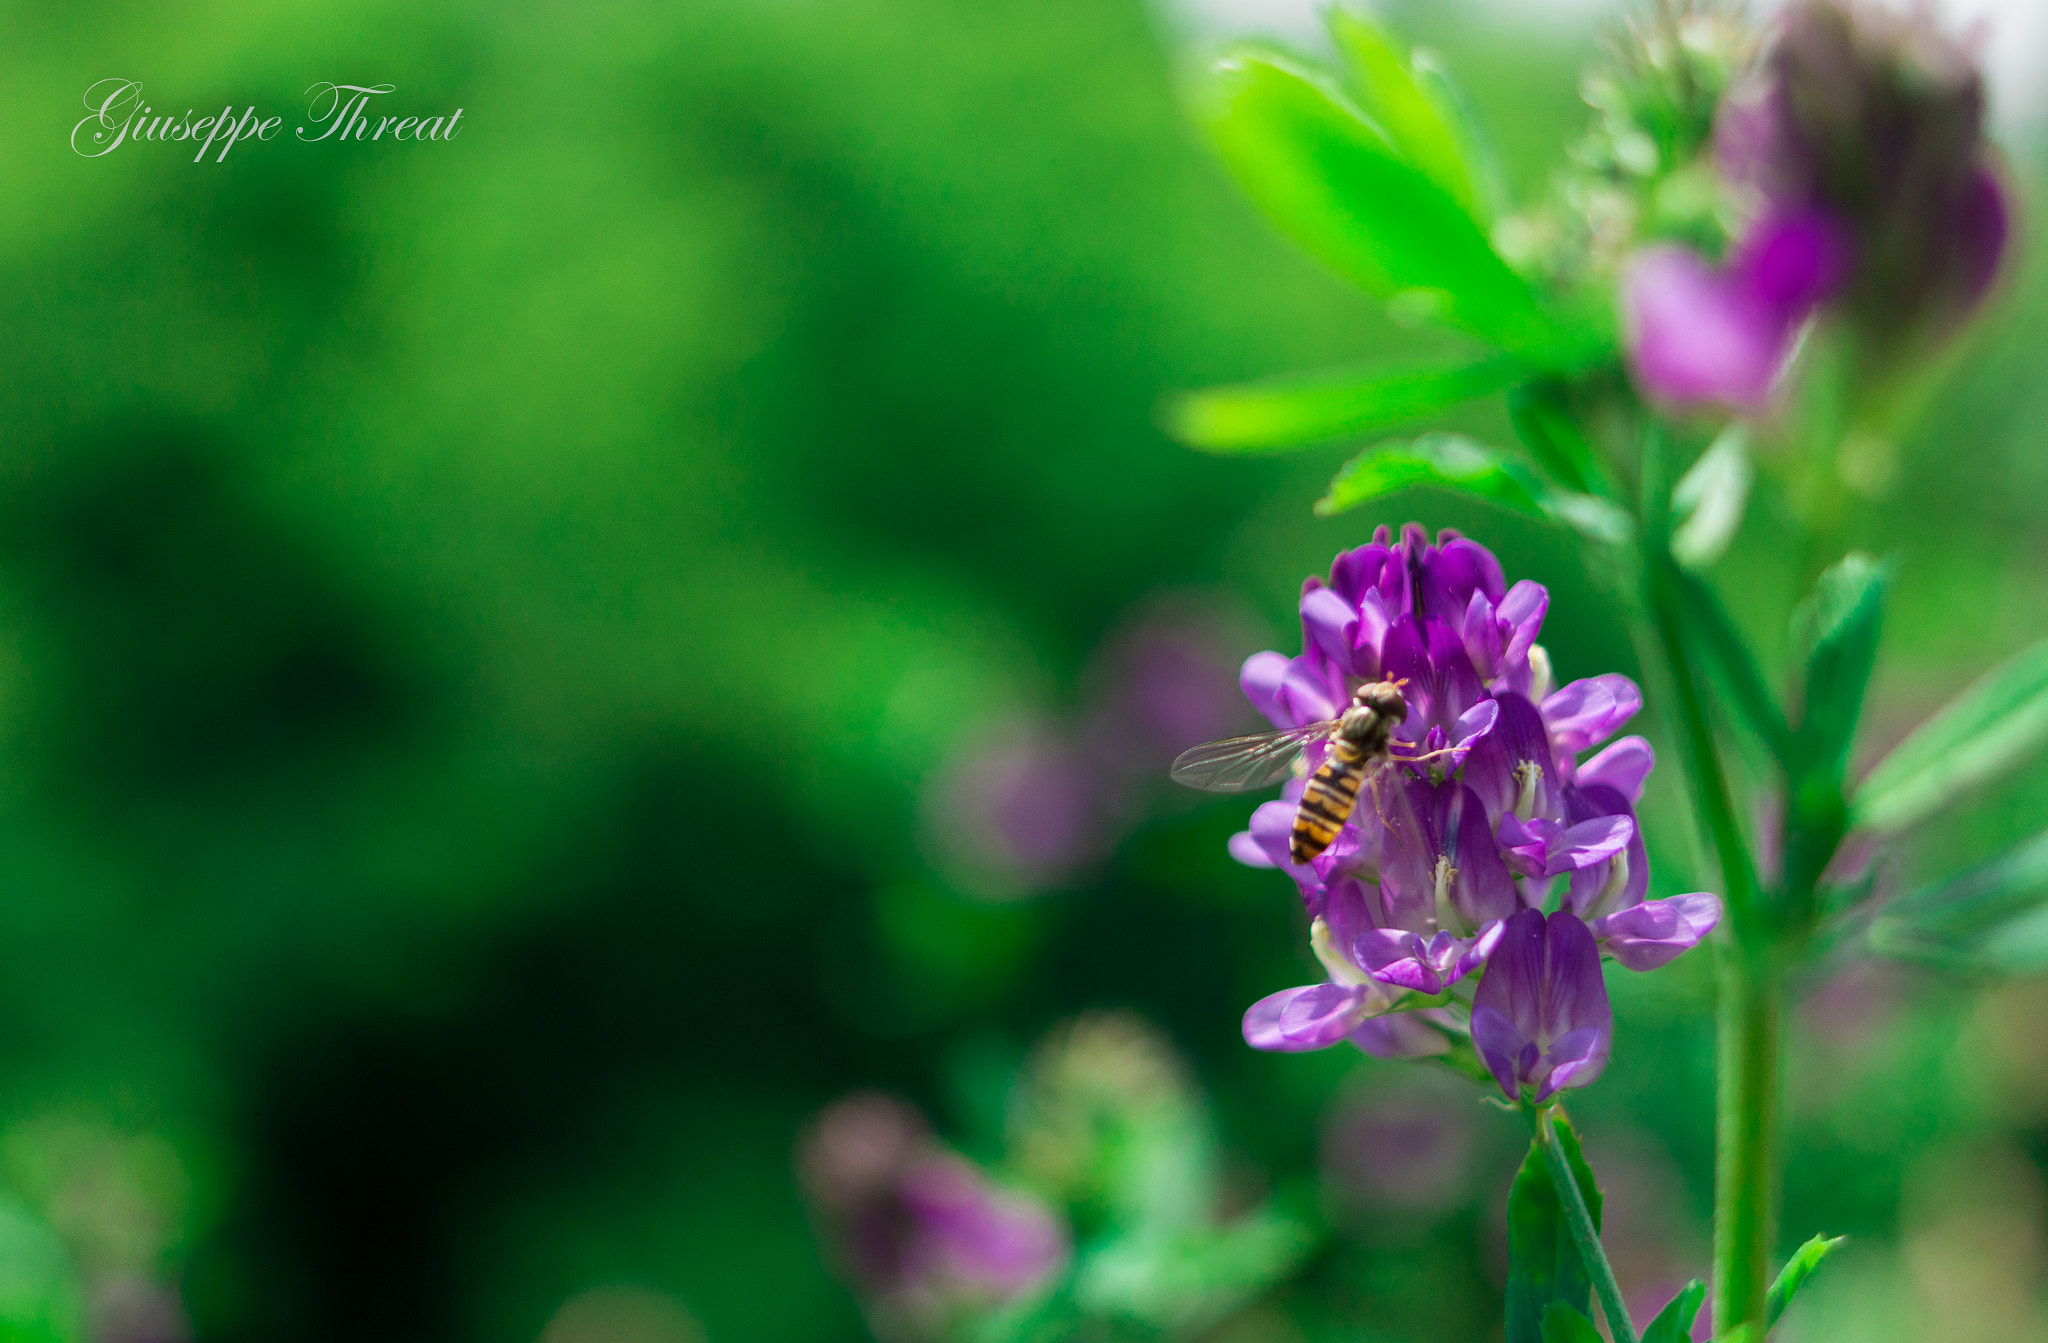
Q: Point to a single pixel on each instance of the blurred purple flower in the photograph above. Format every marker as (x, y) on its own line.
(1160, 684)
(1700, 333)
(1022, 805)
(1874, 121)
(972, 1237)
(920, 1229)
(1409, 1151)
(132, 1308)
(1541, 1020)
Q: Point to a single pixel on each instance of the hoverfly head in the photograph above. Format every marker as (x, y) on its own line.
(1385, 699)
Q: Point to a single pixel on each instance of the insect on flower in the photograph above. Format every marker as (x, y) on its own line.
(1360, 745)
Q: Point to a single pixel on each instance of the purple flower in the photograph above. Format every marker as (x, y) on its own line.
(1411, 1152)
(1020, 807)
(1702, 333)
(970, 1236)
(1159, 684)
(1541, 1020)
(1874, 121)
(920, 1229)
(1442, 870)
(1372, 967)
(1483, 808)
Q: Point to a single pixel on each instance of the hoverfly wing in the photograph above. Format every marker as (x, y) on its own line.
(1240, 764)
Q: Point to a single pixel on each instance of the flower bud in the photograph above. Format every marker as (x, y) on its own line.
(1875, 121)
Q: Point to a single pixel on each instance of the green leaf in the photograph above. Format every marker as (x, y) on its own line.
(1711, 498)
(1839, 626)
(1794, 1275)
(2013, 883)
(1454, 462)
(1548, 429)
(1280, 413)
(1335, 181)
(1448, 461)
(1562, 1324)
(1730, 656)
(1978, 735)
(1543, 1261)
(1674, 1323)
(1423, 129)
(1592, 517)
(1991, 919)
(1482, 160)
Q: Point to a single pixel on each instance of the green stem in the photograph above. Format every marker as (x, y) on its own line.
(1698, 750)
(1584, 1235)
(1745, 1158)
(1745, 1139)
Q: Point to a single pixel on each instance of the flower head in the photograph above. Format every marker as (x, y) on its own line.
(920, 1229)
(1483, 812)
(1874, 121)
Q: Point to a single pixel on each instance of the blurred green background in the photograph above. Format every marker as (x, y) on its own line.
(492, 635)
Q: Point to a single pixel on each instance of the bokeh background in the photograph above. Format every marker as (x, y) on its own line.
(530, 665)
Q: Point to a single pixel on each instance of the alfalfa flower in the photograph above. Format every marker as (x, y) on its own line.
(924, 1233)
(1484, 813)
(1858, 150)
(1541, 1020)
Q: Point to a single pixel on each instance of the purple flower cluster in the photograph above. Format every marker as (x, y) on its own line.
(1438, 882)
(922, 1231)
(1860, 149)
(1028, 804)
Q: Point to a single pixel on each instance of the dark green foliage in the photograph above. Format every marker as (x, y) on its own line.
(1543, 1261)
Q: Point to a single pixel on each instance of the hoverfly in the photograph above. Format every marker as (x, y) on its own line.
(1360, 743)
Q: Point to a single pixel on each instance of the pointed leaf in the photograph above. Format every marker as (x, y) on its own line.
(1547, 428)
(2014, 883)
(1674, 1323)
(1454, 462)
(1543, 1261)
(1712, 497)
(1332, 179)
(1448, 461)
(1562, 1324)
(1591, 516)
(1280, 413)
(1992, 919)
(1794, 1275)
(1482, 159)
(1730, 657)
(1979, 734)
(1839, 626)
(1388, 92)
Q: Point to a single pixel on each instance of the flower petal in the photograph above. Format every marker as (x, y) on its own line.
(1500, 1046)
(1587, 843)
(1246, 849)
(1586, 713)
(1401, 1035)
(1623, 766)
(1330, 623)
(1695, 334)
(1657, 932)
(1260, 681)
(1314, 1016)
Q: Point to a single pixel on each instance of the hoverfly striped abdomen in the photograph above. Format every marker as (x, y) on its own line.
(1356, 745)
(1327, 800)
